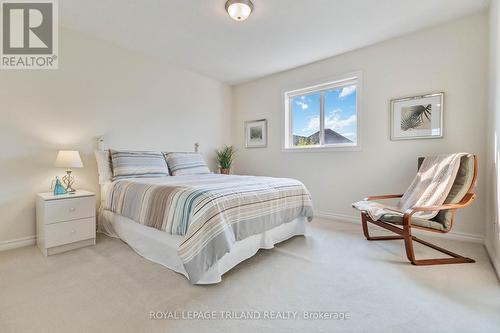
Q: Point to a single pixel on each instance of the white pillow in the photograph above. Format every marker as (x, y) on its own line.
(104, 167)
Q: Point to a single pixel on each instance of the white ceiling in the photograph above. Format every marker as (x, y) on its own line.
(279, 35)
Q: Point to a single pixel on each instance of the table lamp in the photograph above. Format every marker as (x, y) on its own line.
(68, 159)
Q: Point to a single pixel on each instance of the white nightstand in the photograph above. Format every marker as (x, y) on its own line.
(65, 222)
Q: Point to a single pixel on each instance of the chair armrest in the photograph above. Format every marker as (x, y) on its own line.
(467, 200)
(380, 197)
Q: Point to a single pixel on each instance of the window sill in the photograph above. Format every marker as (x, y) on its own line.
(321, 149)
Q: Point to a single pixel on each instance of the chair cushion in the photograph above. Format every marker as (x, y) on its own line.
(442, 221)
(396, 218)
(459, 189)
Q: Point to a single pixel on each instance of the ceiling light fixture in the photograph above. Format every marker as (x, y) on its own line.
(239, 10)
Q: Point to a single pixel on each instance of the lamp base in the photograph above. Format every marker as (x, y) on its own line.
(69, 180)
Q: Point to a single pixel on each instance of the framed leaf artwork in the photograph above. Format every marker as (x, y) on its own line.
(417, 117)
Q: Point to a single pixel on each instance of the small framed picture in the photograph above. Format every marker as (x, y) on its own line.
(417, 117)
(256, 133)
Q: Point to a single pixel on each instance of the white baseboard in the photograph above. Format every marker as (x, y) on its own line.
(495, 260)
(15, 243)
(461, 236)
(339, 217)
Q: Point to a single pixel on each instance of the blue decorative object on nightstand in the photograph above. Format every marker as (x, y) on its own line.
(59, 188)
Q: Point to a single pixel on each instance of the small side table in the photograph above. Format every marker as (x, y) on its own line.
(65, 222)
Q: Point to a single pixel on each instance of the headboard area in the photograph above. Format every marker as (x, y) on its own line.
(101, 145)
(104, 162)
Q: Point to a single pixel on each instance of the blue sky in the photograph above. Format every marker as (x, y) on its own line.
(340, 112)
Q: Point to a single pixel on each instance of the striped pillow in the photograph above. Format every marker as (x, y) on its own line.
(130, 164)
(186, 164)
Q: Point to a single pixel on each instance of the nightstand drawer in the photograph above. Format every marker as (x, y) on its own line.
(69, 209)
(69, 232)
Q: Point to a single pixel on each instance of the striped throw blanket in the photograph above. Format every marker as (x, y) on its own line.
(430, 187)
(211, 211)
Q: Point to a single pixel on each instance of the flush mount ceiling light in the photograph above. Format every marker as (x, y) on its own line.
(239, 10)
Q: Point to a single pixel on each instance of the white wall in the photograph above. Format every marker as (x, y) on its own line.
(450, 58)
(139, 102)
(136, 101)
(493, 133)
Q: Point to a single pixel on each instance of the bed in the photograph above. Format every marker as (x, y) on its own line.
(200, 225)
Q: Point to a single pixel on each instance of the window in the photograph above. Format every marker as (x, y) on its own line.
(323, 116)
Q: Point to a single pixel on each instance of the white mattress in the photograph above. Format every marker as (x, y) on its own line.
(161, 247)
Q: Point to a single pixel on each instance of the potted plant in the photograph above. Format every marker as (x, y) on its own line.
(225, 157)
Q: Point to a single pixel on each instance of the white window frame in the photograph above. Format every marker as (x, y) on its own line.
(320, 86)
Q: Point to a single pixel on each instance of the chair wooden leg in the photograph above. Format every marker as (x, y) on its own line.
(456, 258)
(365, 226)
(379, 238)
(410, 253)
(408, 240)
(374, 238)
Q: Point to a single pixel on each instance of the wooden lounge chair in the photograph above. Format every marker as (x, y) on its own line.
(461, 195)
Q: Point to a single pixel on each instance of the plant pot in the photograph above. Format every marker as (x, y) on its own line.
(225, 171)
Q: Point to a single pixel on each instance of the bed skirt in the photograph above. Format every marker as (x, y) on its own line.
(161, 247)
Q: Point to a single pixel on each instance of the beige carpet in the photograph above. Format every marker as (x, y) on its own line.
(109, 288)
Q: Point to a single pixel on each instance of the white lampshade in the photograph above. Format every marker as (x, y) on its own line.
(68, 159)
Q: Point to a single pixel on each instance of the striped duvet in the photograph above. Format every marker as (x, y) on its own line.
(211, 211)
